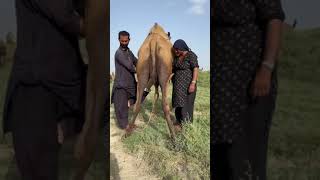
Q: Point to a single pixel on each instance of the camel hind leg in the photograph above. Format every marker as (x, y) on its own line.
(165, 105)
(155, 99)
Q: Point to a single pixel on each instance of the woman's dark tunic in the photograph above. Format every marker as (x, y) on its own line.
(183, 72)
(238, 38)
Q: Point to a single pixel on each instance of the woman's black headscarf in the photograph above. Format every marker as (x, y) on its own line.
(181, 45)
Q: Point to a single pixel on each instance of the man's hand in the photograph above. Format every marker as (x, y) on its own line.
(192, 87)
(262, 82)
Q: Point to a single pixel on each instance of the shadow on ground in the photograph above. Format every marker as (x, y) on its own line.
(114, 168)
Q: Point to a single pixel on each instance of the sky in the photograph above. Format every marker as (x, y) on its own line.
(184, 19)
(305, 11)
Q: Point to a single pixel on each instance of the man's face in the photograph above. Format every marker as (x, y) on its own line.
(124, 41)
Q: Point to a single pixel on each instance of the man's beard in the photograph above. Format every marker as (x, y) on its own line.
(124, 46)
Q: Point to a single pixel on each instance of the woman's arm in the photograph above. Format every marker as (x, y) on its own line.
(195, 74)
(262, 82)
(273, 41)
(192, 86)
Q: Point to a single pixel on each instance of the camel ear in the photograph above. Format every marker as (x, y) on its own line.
(169, 35)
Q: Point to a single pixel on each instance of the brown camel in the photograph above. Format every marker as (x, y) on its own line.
(97, 44)
(154, 67)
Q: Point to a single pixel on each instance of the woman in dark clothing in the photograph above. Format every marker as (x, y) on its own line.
(185, 69)
(247, 37)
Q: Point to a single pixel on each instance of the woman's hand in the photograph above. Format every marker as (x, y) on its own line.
(192, 87)
(262, 82)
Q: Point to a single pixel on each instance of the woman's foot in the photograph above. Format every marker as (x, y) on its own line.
(60, 133)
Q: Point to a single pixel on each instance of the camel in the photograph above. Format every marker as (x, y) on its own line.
(154, 67)
(97, 44)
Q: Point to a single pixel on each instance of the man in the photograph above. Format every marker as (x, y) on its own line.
(124, 87)
(46, 83)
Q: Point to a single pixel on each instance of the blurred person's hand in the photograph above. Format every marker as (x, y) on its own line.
(262, 82)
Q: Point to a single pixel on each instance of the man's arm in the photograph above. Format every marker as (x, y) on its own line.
(61, 13)
(121, 59)
(135, 60)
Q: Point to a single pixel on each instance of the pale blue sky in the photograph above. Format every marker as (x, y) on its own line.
(184, 19)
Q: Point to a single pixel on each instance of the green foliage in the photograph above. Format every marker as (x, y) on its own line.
(294, 149)
(189, 155)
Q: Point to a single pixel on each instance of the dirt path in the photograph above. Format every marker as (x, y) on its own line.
(123, 165)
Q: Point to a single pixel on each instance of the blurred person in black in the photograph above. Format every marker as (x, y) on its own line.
(46, 85)
(246, 41)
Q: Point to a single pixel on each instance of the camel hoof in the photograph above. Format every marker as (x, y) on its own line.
(129, 130)
(178, 128)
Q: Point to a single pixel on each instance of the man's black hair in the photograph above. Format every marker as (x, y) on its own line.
(123, 33)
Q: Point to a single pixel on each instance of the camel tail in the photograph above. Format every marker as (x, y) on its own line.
(153, 73)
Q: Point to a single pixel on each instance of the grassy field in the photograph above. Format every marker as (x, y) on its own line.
(190, 157)
(294, 152)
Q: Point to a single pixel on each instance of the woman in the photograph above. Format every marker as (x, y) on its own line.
(185, 69)
(247, 37)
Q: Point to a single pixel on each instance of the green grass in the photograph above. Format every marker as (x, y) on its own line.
(294, 151)
(189, 155)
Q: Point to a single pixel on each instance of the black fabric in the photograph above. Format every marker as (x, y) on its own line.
(47, 52)
(185, 113)
(183, 73)
(35, 114)
(121, 107)
(125, 86)
(181, 45)
(125, 63)
(239, 44)
(248, 154)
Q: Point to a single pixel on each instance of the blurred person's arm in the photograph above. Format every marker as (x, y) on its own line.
(270, 12)
(62, 14)
(262, 83)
